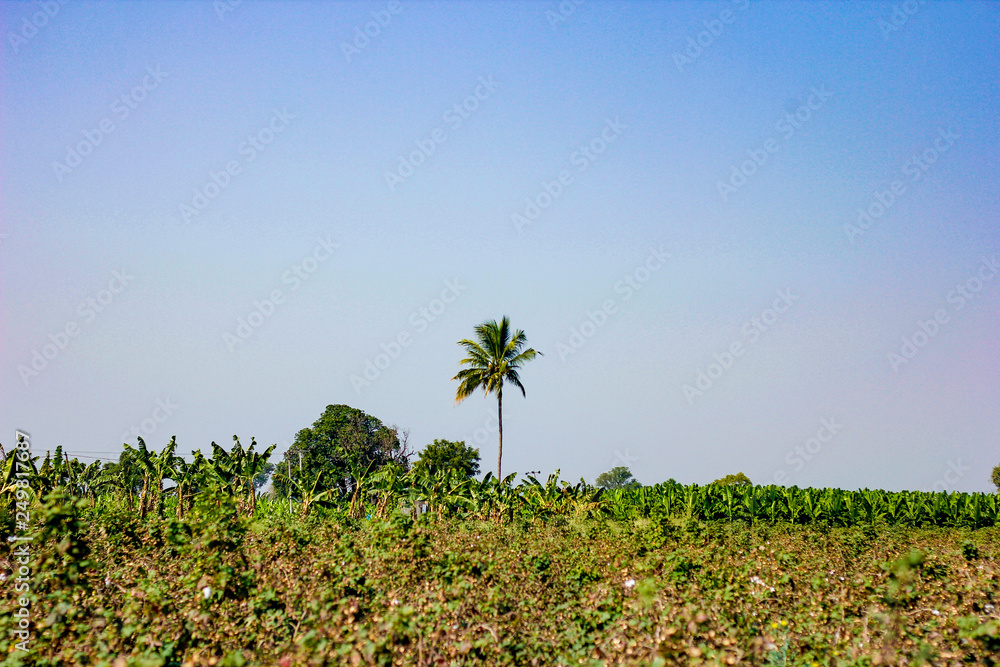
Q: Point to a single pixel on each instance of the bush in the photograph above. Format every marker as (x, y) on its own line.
(739, 479)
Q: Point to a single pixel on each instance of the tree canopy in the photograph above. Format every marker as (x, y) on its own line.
(342, 445)
(739, 479)
(619, 477)
(444, 455)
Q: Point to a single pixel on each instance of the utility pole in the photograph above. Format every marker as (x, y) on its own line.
(300, 463)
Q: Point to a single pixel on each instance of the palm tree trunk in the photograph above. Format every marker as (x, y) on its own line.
(500, 426)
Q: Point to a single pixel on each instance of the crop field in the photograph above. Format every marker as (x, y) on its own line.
(541, 573)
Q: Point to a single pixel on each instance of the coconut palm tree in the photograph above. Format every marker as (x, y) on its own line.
(492, 361)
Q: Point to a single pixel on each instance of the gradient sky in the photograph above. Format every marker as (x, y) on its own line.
(667, 99)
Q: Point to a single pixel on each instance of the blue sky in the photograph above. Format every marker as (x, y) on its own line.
(671, 173)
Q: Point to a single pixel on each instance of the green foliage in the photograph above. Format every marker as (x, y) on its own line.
(829, 507)
(341, 443)
(995, 477)
(986, 636)
(970, 550)
(902, 586)
(619, 477)
(214, 589)
(445, 456)
(492, 573)
(66, 555)
(739, 479)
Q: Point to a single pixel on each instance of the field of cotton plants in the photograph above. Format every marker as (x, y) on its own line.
(114, 570)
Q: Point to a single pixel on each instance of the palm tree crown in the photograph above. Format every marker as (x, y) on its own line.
(490, 362)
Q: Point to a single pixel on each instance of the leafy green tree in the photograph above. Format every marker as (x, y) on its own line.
(491, 361)
(443, 455)
(265, 474)
(341, 442)
(996, 477)
(739, 479)
(619, 477)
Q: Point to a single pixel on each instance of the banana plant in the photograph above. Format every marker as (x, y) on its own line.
(142, 460)
(504, 498)
(14, 468)
(154, 468)
(387, 485)
(542, 500)
(357, 505)
(188, 478)
(447, 491)
(123, 478)
(253, 464)
(51, 474)
(309, 496)
(584, 500)
(228, 468)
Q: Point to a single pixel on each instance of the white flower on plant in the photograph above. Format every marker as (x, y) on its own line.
(207, 592)
(629, 583)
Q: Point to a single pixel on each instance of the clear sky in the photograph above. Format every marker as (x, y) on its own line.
(747, 236)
